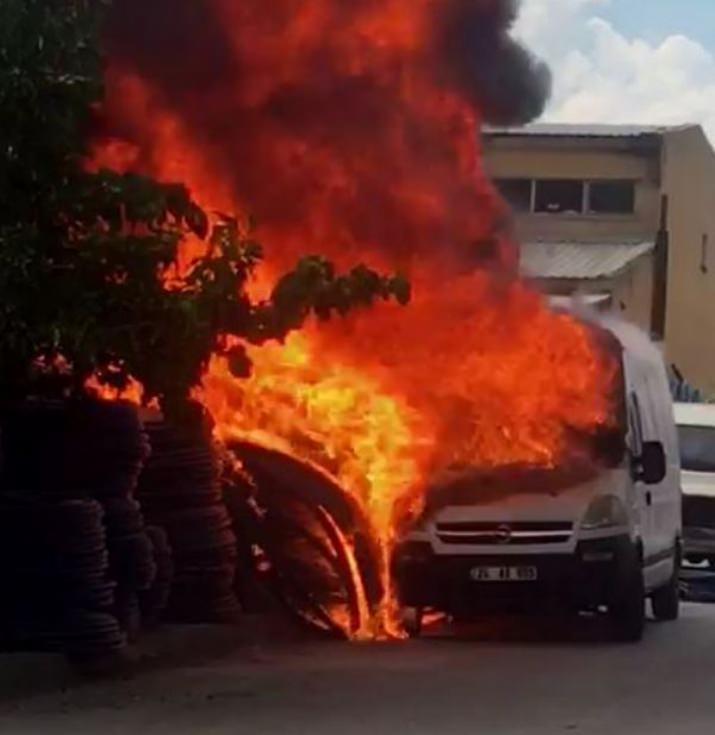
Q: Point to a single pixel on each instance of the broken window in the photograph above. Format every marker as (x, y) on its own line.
(559, 196)
(612, 197)
(517, 193)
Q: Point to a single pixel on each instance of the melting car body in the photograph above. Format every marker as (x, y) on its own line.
(581, 538)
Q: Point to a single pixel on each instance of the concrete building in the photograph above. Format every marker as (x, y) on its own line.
(624, 217)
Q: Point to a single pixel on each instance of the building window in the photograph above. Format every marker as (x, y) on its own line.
(559, 196)
(568, 196)
(517, 192)
(612, 197)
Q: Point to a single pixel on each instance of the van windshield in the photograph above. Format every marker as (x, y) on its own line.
(697, 448)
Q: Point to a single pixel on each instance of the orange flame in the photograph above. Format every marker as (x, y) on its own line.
(477, 371)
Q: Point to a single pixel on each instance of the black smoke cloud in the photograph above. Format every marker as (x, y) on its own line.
(177, 44)
(183, 48)
(505, 80)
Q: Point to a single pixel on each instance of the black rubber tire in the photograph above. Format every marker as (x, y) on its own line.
(665, 602)
(412, 618)
(627, 612)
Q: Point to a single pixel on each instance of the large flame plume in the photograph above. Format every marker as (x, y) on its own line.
(350, 128)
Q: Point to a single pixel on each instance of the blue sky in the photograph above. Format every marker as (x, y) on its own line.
(654, 20)
(648, 62)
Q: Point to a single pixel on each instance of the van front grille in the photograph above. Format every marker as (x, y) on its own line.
(523, 533)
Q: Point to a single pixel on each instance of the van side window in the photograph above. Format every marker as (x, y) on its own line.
(635, 422)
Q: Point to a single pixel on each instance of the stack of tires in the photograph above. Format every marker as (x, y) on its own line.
(54, 570)
(115, 448)
(180, 491)
(155, 598)
(67, 476)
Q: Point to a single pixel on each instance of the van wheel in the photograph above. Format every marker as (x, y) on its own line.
(666, 600)
(412, 621)
(627, 613)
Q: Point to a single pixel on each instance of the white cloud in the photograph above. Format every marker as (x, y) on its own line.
(600, 75)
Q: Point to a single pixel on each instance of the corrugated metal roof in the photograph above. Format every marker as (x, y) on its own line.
(581, 260)
(595, 300)
(582, 131)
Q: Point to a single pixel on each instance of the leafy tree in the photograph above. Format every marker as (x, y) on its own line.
(84, 257)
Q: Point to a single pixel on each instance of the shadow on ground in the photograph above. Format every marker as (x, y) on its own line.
(25, 675)
(577, 630)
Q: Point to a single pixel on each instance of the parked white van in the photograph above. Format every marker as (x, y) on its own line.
(524, 539)
(696, 428)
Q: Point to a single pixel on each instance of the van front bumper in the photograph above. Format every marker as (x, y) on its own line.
(594, 575)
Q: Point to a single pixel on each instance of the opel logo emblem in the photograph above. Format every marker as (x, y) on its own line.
(503, 534)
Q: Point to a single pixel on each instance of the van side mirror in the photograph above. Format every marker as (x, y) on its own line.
(651, 467)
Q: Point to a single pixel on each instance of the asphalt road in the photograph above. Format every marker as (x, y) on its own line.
(496, 679)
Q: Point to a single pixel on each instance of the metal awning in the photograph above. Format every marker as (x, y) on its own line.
(577, 130)
(581, 261)
(593, 300)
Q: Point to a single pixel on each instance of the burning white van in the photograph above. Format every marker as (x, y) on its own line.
(523, 538)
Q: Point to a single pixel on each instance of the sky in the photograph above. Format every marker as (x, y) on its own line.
(626, 61)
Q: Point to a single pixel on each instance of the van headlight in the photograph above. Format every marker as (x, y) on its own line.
(605, 511)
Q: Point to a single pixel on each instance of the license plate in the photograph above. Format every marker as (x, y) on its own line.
(504, 574)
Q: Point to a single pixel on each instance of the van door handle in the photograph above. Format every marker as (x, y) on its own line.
(649, 498)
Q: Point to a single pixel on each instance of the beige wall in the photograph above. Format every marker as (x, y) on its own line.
(633, 293)
(585, 159)
(689, 181)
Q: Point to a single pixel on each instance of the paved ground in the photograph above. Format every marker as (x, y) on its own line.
(497, 680)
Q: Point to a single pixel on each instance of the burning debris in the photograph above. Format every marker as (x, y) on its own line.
(350, 128)
(317, 551)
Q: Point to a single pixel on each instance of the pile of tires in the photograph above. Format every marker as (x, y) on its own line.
(54, 570)
(180, 491)
(115, 448)
(155, 598)
(59, 457)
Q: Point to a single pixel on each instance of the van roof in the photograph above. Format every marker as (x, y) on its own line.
(694, 414)
(632, 339)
